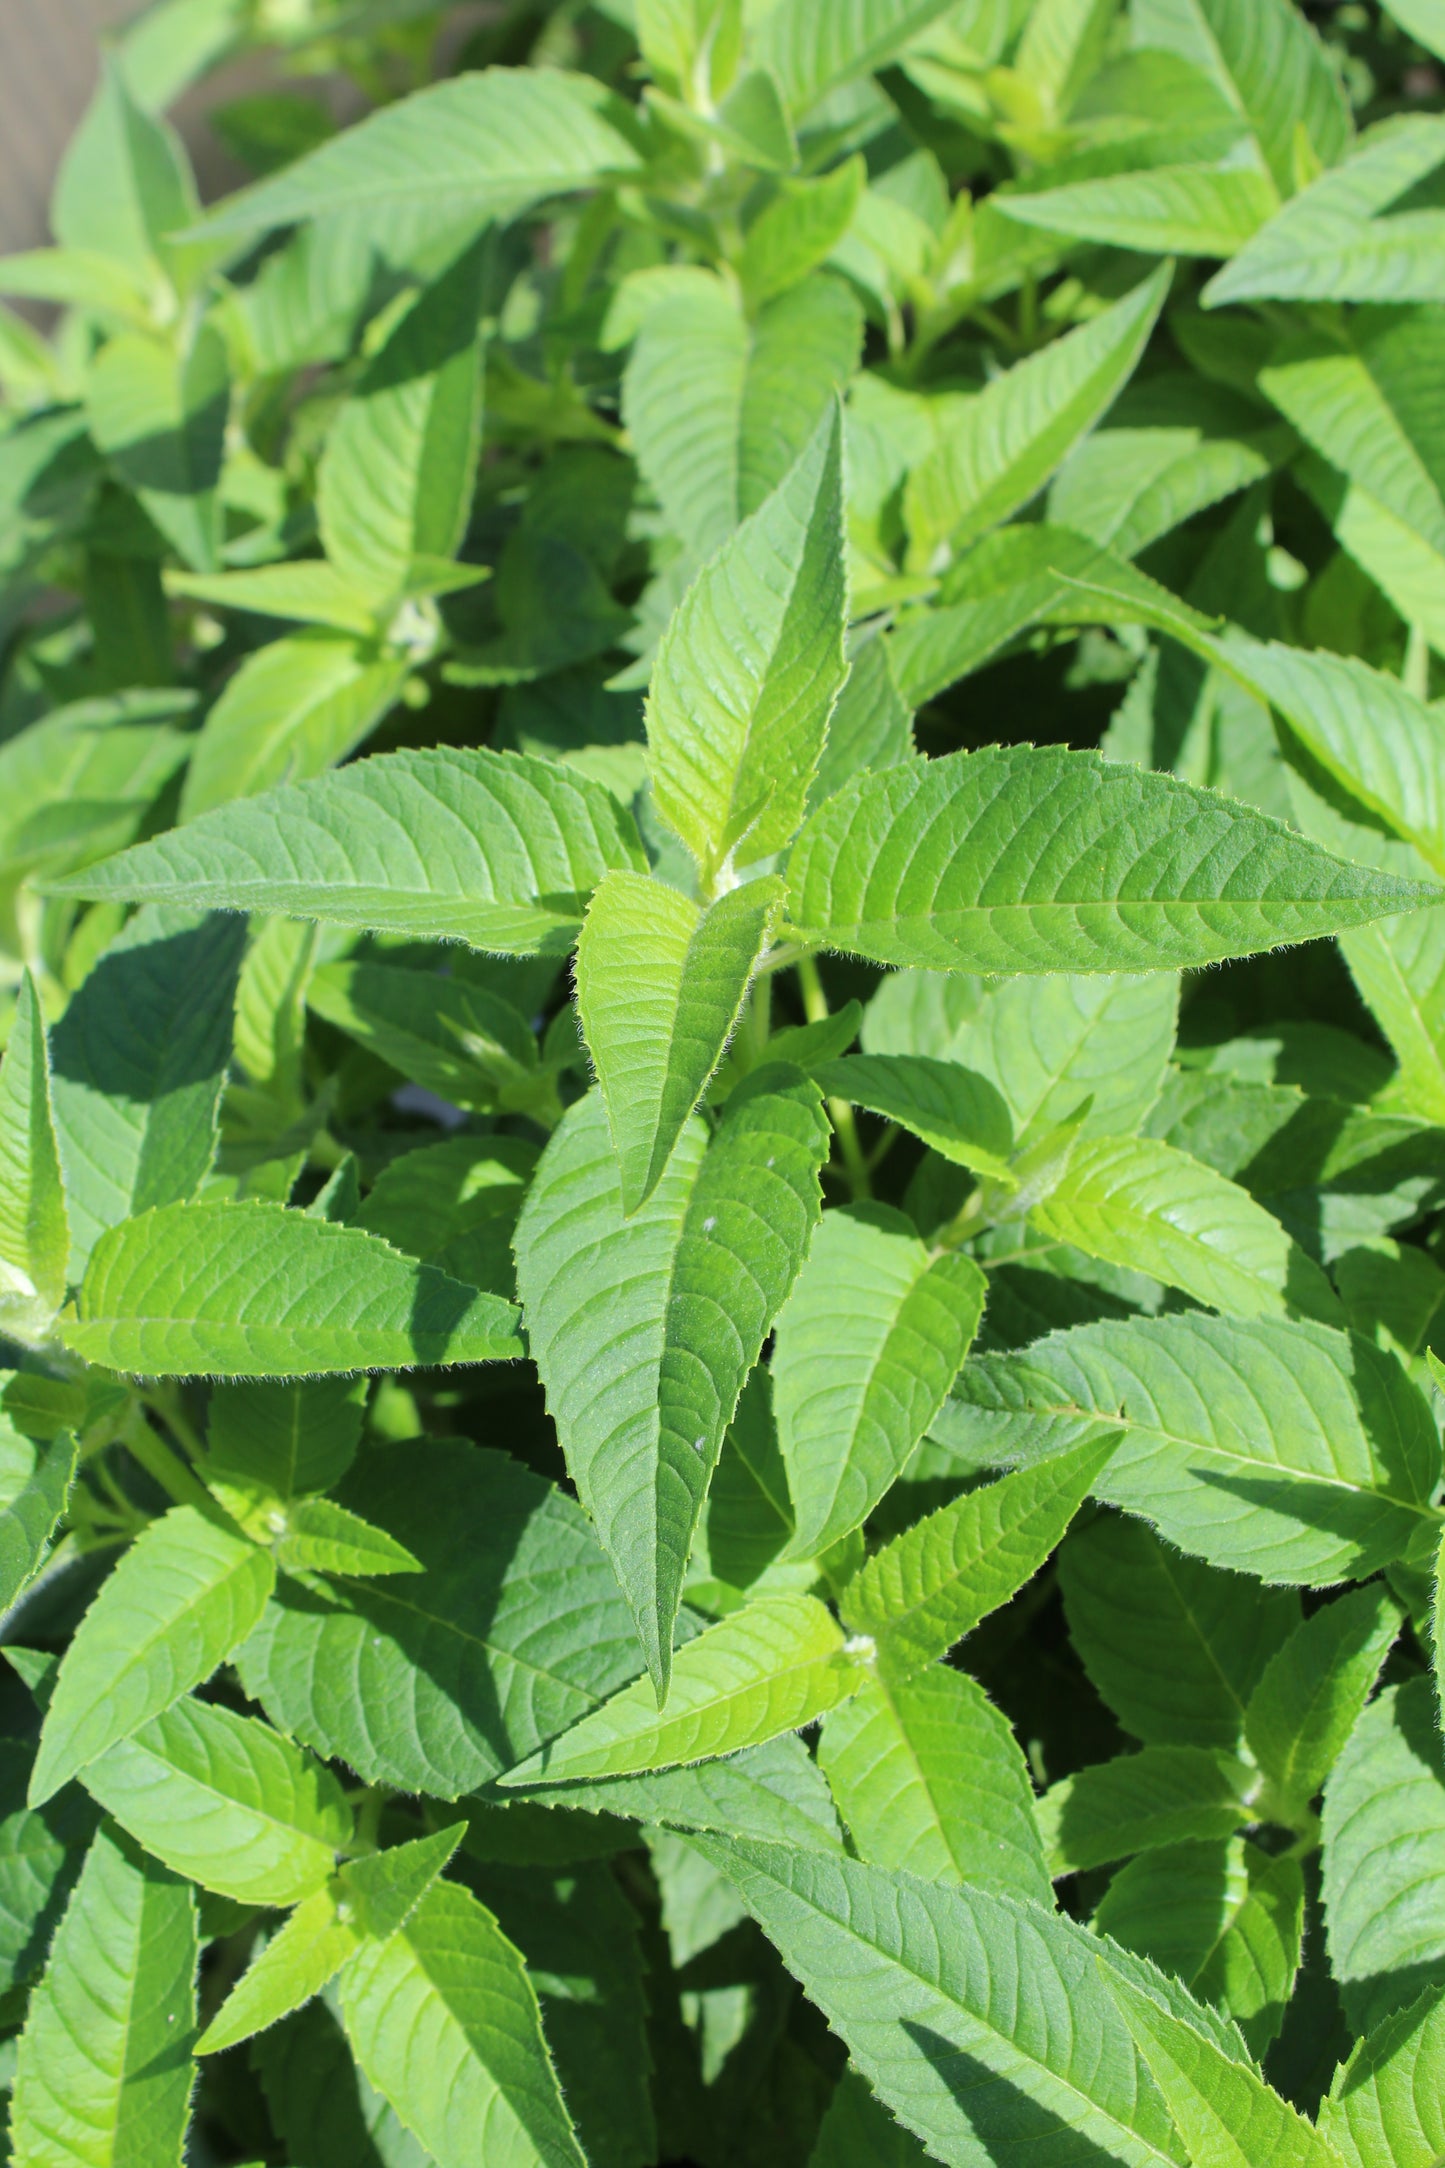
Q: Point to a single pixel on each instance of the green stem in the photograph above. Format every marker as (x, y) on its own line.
(166, 1402)
(845, 1128)
(163, 1466)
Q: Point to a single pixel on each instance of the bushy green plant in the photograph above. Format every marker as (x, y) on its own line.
(705, 1460)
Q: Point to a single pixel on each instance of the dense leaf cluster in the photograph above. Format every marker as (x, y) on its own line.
(703, 1459)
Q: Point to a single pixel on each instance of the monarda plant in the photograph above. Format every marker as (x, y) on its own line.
(720, 1432)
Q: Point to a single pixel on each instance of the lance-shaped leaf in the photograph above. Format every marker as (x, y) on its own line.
(1267, 63)
(772, 1667)
(293, 708)
(1338, 240)
(1387, 2100)
(395, 481)
(158, 412)
(929, 1778)
(859, 2132)
(1175, 1648)
(1008, 439)
(644, 1329)
(227, 1802)
(372, 1896)
(104, 2072)
(254, 1290)
(1226, 2115)
(756, 392)
(659, 985)
(1024, 859)
(868, 1345)
(957, 1112)
(316, 1535)
(930, 1586)
(1223, 1916)
(930, 1986)
(458, 1040)
(1184, 210)
(495, 849)
(139, 1061)
(432, 1682)
(1291, 1451)
(186, 1593)
(812, 53)
(295, 1965)
(491, 142)
(1137, 1802)
(1048, 1044)
(1307, 1703)
(1142, 1204)
(443, 2019)
(1384, 1855)
(35, 1482)
(279, 1441)
(750, 666)
(34, 1229)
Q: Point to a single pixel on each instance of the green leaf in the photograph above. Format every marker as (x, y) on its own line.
(435, 1681)
(755, 394)
(490, 848)
(920, 1594)
(104, 2072)
(1307, 1703)
(1224, 1917)
(867, 1346)
(812, 53)
(159, 415)
(1161, 1795)
(928, 1986)
(1424, 20)
(252, 1290)
(225, 1801)
(659, 986)
(396, 478)
(33, 1502)
(1008, 440)
(317, 1535)
(772, 1667)
(859, 2132)
(1049, 1045)
(1337, 240)
(492, 143)
(1226, 2116)
(1049, 881)
(280, 1441)
(138, 1063)
(1173, 446)
(383, 1889)
(1384, 1855)
(929, 1778)
(320, 2101)
(798, 230)
(34, 1228)
(1288, 1450)
(294, 1965)
(446, 1034)
(1269, 65)
(294, 708)
(776, 1792)
(1184, 210)
(444, 2021)
(644, 1329)
(455, 1205)
(750, 666)
(1175, 1648)
(184, 1596)
(956, 1112)
(1151, 1208)
(308, 590)
(1385, 2102)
